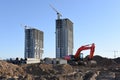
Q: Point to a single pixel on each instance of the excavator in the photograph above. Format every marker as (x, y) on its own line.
(78, 57)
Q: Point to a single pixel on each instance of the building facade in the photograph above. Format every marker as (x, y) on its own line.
(33, 43)
(64, 38)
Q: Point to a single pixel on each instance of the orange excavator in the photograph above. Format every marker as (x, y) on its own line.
(79, 56)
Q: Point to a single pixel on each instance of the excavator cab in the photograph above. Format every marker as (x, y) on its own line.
(72, 58)
(81, 56)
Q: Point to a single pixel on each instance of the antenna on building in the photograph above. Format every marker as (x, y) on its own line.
(58, 14)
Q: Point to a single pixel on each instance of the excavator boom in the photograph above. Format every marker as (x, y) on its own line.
(86, 47)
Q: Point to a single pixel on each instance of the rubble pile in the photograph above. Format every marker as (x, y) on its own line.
(109, 74)
(102, 61)
(39, 71)
(117, 60)
(11, 71)
(42, 71)
(63, 68)
(48, 71)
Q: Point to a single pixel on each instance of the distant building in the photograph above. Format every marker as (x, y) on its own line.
(64, 38)
(33, 43)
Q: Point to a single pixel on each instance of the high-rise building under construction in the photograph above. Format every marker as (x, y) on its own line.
(33, 43)
(64, 38)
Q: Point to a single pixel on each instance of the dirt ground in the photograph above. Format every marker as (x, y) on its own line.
(106, 69)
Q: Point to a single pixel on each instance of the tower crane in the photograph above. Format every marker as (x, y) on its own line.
(58, 14)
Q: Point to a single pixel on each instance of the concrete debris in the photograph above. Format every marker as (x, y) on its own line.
(106, 69)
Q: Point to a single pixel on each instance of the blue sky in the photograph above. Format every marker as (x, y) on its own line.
(95, 21)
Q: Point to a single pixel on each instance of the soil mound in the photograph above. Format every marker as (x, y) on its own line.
(10, 71)
(117, 60)
(102, 61)
(106, 68)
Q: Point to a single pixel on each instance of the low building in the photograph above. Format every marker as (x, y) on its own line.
(55, 61)
(32, 60)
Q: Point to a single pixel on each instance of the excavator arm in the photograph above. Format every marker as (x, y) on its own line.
(86, 47)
